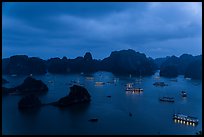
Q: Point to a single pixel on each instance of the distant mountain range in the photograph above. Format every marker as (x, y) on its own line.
(123, 62)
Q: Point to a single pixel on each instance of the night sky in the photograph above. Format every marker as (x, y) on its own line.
(70, 29)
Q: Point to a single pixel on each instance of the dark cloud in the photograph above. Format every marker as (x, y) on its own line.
(71, 29)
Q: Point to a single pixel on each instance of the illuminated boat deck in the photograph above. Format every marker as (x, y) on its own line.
(184, 119)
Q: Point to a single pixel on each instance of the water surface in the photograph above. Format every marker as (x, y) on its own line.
(149, 116)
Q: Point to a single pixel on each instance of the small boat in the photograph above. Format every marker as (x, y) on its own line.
(134, 90)
(166, 99)
(184, 119)
(99, 83)
(188, 78)
(108, 96)
(13, 75)
(130, 114)
(89, 78)
(173, 80)
(183, 94)
(160, 84)
(157, 77)
(93, 119)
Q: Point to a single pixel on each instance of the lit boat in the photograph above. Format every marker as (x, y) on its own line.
(183, 94)
(134, 90)
(184, 119)
(99, 83)
(129, 87)
(166, 99)
(160, 84)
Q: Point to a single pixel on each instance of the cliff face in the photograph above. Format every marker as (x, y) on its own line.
(187, 65)
(194, 69)
(128, 62)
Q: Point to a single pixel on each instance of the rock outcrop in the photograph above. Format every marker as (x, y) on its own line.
(78, 94)
(128, 62)
(30, 85)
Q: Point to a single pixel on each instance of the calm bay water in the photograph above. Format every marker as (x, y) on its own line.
(149, 116)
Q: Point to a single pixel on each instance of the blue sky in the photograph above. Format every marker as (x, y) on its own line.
(70, 29)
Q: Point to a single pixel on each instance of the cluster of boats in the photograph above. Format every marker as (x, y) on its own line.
(179, 117)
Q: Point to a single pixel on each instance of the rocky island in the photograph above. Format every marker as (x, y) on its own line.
(29, 86)
(77, 95)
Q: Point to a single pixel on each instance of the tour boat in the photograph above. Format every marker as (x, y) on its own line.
(166, 99)
(160, 84)
(184, 119)
(99, 83)
(129, 87)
